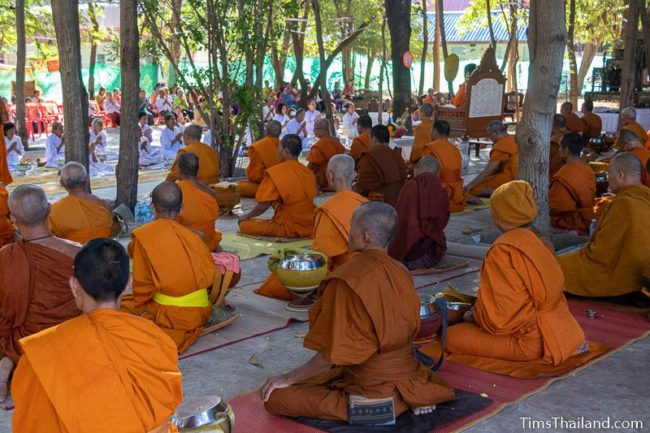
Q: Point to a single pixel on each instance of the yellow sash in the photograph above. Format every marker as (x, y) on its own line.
(198, 298)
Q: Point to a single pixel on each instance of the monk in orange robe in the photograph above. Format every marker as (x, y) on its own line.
(34, 278)
(361, 327)
(208, 157)
(288, 187)
(631, 143)
(593, 122)
(503, 165)
(521, 316)
(361, 142)
(7, 229)
(423, 211)
(103, 371)
(172, 271)
(5, 175)
(262, 154)
(461, 96)
(572, 121)
(613, 261)
(382, 170)
(331, 224)
(325, 148)
(200, 208)
(422, 133)
(451, 164)
(573, 189)
(555, 161)
(80, 216)
(628, 121)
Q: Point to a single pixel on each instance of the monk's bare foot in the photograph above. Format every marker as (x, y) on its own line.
(424, 410)
(6, 365)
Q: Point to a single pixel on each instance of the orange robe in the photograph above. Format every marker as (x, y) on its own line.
(506, 153)
(421, 136)
(7, 229)
(102, 372)
(5, 175)
(291, 187)
(613, 260)
(208, 163)
(555, 162)
(572, 193)
(363, 323)
(80, 220)
(575, 124)
(381, 171)
(360, 146)
(331, 236)
(34, 293)
(522, 317)
(262, 154)
(171, 260)
(200, 211)
(638, 130)
(320, 155)
(594, 125)
(451, 164)
(461, 96)
(644, 155)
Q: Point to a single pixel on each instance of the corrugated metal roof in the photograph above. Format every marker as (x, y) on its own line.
(477, 34)
(449, 5)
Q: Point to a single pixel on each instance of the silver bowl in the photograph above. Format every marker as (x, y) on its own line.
(302, 262)
(203, 411)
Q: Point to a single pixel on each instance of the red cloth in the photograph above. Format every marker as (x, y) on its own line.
(423, 210)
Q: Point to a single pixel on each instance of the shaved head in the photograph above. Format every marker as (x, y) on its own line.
(559, 121)
(188, 164)
(427, 164)
(74, 175)
(323, 124)
(341, 168)
(376, 221)
(273, 129)
(629, 112)
(167, 198)
(566, 107)
(427, 110)
(192, 133)
(28, 205)
(628, 163)
(628, 137)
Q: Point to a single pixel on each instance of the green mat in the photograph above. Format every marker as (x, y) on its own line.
(248, 248)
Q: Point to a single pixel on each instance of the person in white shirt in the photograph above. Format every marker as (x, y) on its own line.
(97, 152)
(97, 138)
(350, 122)
(163, 106)
(14, 144)
(171, 139)
(281, 114)
(149, 155)
(267, 110)
(55, 146)
(311, 116)
(112, 109)
(207, 137)
(297, 126)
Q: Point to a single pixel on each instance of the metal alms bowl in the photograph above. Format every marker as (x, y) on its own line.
(210, 411)
(302, 269)
(430, 318)
(302, 262)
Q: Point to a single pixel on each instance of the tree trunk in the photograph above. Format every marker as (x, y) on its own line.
(440, 15)
(398, 13)
(425, 45)
(645, 25)
(127, 168)
(436, 52)
(21, 54)
(176, 41)
(65, 14)
(380, 116)
(323, 71)
(490, 26)
(629, 54)
(513, 55)
(93, 49)
(547, 35)
(591, 49)
(299, 48)
(371, 61)
(571, 51)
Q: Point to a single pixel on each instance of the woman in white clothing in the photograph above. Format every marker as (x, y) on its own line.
(350, 119)
(281, 114)
(15, 149)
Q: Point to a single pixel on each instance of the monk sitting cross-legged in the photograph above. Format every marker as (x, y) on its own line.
(451, 164)
(573, 189)
(361, 327)
(325, 148)
(290, 188)
(34, 274)
(521, 315)
(558, 131)
(613, 261)
(331, 224)
(631, 143)
(422, 133)
(208, 157)
(200, 208)
(172, 270)
(101, 372)
(382, 171)
(361, 142)
(80, 216)
(503, 164)
(423, 211)
(262, 154)
(573, 122)
(593, 122)
(7, 229)
(628, 120)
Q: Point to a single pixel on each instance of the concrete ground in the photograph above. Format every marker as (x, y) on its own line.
(617, 387)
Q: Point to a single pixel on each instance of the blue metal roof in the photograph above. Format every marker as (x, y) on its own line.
(477, 34)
